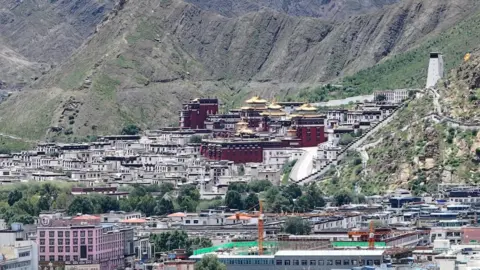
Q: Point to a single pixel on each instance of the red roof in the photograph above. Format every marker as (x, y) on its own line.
(178, 214)
(134, 220)
(86, 217)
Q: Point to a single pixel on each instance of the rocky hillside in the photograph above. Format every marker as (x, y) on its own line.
(149, 56)
(36, 35)
(328, 9)
(417, 151)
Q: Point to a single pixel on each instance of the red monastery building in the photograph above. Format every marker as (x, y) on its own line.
(195, 113)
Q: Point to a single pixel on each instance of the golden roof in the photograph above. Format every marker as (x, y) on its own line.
(307, 107)
(256, 99)
(246, 108)
(274, 106)
(273, 113)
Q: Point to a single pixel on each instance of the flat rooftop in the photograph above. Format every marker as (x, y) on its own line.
(330, 252)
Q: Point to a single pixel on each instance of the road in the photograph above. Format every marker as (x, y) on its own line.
(345, 101)
(304, 165)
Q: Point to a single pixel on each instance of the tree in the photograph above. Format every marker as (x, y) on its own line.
(147, 205)
(103, 203)
(130, 130)
(14, 196)
(164, 207)
(302, 204)
(188, 204)
(297, 226)
(125, 205)
(189, 191)
(195, 139)
(26, 206)
(293, 191)
(233, 200)
(343, 197)
(251, 202)
(80, 205)
(281, 204)
(315, 196)
(62, 201)
(210, 262)
(138, 191)
(259, 185)
(44, 203)
(238, 187)
(25, 219)
(346, 139)
(271, 194)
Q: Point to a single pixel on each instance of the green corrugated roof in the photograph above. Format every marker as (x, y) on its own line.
(356, 244)
(232, 245)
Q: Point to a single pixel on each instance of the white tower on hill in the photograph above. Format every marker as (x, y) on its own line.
(435, 69)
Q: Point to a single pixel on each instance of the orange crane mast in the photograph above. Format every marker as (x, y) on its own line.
(371, 236)
(260, 229)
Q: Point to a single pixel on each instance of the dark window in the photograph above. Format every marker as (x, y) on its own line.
(329, 262)
(42, 234)
(376, 262)
(82, 233)
(75, 258)
(67, 234)
(42, 258)
(83, 252)
(42, 241)
(354, 262)
(313, 262)
(287, 262)
(75, 233)
(90, 233)
(42, 249)
(60, 249)
(369, 262)
(304, 262)
(90, 248)
(60, 233)
(75, 249)
(90, 241)
(75, 241)
(67, 249)
(51, 242)
(67, 241)
(90, 257)
(338, 262)
(60, 241)
(51, 234)
(82, 241)
(279, 262)
(321, 262)
(67, 258)
(346, 262)
(51, 249)
(296, 262)
(51, 258)
(60, 258)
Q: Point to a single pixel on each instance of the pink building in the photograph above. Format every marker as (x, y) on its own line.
(83, 240)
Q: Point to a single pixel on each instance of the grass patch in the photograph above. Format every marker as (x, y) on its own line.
(104, 86)
(9, 145)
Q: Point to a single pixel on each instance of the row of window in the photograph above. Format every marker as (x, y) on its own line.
(61, 249)
(327, 262)
(60, 258)
(17, 265)
(24, 254)
(60, 234)
(51, 242)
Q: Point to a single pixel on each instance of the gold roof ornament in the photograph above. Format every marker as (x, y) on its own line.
(257, 100)
(467, 57)
(307, 107)
(274, 106)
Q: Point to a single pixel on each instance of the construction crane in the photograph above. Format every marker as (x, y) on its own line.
(260, 229)
(259, 216)
(371, 236)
